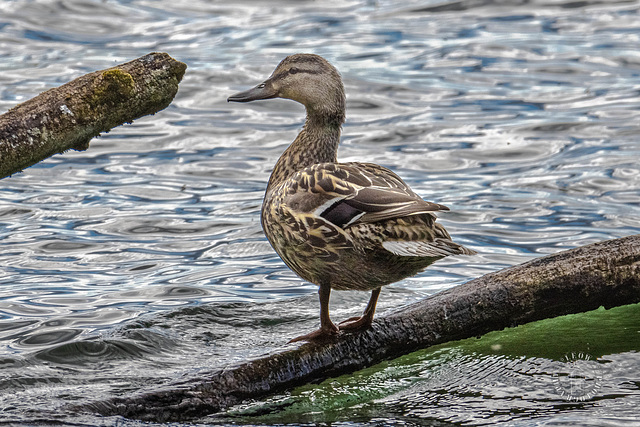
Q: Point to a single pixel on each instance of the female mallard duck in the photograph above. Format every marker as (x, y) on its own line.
(340, 225)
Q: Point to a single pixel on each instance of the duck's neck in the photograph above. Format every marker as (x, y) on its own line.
(317, 142)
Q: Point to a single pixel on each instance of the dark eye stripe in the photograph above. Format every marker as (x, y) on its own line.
(295, 70)
(284, 74)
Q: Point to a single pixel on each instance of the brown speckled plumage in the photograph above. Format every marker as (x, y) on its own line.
(340, 225)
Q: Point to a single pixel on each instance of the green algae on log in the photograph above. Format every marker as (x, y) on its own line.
(69, 116)
(604, 274)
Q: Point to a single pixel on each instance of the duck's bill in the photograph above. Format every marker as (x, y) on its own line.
(262, 91)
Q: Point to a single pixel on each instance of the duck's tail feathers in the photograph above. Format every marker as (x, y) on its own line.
(422, 248)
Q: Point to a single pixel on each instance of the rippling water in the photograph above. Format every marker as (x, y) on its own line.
(142, 260)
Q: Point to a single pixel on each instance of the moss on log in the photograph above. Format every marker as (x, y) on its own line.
(69, 116)
(578, 280)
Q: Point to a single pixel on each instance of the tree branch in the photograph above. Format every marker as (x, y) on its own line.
(69, 116)
(582, 279)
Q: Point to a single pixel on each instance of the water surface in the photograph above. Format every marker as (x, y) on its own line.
(141, 261)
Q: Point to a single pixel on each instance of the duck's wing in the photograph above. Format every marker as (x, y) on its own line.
(351, 193)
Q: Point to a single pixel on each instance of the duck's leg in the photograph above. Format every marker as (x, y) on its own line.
(327, 328)
(365, 320)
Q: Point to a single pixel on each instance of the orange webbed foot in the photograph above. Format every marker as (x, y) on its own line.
(356, 323)
(321, 334)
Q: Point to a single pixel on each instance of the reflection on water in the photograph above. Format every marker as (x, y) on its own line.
(142, 260)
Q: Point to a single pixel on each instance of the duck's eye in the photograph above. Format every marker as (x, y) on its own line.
(293, 70)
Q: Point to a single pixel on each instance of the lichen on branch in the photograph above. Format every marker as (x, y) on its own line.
(69, 116)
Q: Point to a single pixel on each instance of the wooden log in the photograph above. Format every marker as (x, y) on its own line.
(69, 116)
(578, 280)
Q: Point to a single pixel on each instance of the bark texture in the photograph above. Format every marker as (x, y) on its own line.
(69, 116)
(578, 280)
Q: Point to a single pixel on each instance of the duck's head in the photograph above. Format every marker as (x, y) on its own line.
(306, 78)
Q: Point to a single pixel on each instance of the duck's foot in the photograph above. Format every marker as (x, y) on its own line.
(321, 334)
(356, 323)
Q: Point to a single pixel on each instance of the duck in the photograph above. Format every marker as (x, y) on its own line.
(341, 226)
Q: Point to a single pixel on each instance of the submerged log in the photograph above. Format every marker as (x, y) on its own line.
(578, 280)
(69, 116)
